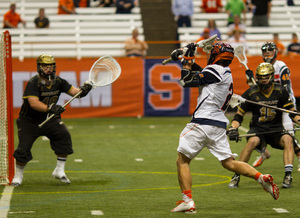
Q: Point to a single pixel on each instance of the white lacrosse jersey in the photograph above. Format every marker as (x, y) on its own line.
(280, 67)
(213, 96)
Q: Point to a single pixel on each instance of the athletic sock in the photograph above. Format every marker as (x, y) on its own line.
(187, 195)
(60, 164)
(258, 177)
(20, 170)
(288, 168)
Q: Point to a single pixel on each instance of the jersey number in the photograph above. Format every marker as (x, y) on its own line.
(228, 97)
(266, 114)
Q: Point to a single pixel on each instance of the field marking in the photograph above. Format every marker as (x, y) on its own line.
(227, 179)
(280, 210)
(97, 212)
(5, 200)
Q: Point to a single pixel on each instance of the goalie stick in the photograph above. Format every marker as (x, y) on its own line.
(206, 44)
(240, 53)
(104, 71)
(237, 99)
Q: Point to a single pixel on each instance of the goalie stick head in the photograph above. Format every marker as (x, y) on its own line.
(269, 52)
(221, 52)
(265, 75)
(46, 66)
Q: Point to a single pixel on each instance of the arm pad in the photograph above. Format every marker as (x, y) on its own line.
(238, 118)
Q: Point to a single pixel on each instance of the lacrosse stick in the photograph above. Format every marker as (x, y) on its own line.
(237, 99)
(104, 71)
(206, 44)
(240, 53)
(268, 132)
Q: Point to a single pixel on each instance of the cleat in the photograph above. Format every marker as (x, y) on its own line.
(234, 183)
(270, 186)
(260, 159)
(185, 207)
(287, 181)
(17, 181)
(61, 176)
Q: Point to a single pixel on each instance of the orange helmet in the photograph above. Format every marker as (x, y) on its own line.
(220, 51)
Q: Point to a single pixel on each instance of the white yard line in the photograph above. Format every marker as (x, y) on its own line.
(5, 201)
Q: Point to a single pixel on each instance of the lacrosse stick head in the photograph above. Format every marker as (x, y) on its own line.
(269, 52)
(207, 44)
(104, 71)
(240, 53)
(221, 51)
(236, 100)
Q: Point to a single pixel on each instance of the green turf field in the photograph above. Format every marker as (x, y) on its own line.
(125, 167)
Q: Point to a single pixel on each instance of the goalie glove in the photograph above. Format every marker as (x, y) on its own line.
(86, 88)
(189, 54)
(55, 109)
(233, 134)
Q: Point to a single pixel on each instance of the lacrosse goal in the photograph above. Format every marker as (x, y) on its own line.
(7, 169)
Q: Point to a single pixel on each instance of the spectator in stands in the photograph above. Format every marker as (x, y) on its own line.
(235, 7)
(261, 10)
(294, 47)
(66, 7)
(11, 18)
(41, 21)
(125, 6)
(212, 26)
(205, 35)
(290, 2)
(82, 3)
(211, 6)
(135, 47)
(183, 11)
(238, 39)
(106, 3)
(236, 25)
(279, 45)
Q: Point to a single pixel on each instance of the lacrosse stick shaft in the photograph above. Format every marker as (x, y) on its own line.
(268, 132)
(68, 102)
(273, 107)
(166, 61)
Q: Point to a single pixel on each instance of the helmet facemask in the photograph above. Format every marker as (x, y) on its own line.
(269, 52)
(265, 75)
(46, 66)
(221, 52)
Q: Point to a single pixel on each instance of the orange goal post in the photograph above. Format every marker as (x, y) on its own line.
(7, 168)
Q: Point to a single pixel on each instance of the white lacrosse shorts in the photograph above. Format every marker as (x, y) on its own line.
(194, 137)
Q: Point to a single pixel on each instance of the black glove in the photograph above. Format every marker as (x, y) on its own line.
(189, 53)
(176, 53)
(233, 134)
(249, 73)
(55, 109)
(86, 88)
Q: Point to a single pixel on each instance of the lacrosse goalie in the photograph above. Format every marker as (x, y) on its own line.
(208, 125)
(266, 123)
(39, 101)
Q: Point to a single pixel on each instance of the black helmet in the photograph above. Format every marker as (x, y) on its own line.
(269, 46)
(265, 71)
(43, 61)
(221, 51)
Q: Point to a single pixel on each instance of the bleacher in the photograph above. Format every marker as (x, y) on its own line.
(283, 20)
(92, 32)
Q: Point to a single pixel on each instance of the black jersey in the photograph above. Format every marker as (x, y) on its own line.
(263, 118)
(46, 94)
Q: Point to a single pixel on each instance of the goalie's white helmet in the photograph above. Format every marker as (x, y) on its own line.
(46, 66)
(269, 52)
(265, 75)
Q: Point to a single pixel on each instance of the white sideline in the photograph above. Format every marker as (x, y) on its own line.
(5, 201)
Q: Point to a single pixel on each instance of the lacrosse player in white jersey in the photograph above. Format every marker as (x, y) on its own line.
(282, 76)
(208, 125)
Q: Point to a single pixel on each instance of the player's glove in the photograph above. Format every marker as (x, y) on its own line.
(189, 54)
(176, 54)
(249, 76)
(55, 109)
(233, 134)
(86, 88)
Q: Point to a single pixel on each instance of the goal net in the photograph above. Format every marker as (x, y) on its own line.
(6, 111)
